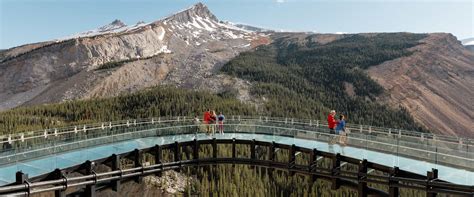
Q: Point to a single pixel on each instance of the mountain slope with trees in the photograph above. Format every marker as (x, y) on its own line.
(303, 78)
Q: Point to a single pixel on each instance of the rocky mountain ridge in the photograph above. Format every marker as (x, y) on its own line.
(435, 84)
(182, 50)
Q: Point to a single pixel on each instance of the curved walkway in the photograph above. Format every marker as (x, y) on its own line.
(46, 164)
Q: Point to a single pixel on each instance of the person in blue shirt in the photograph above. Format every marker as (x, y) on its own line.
(340, 129)
(220, 123)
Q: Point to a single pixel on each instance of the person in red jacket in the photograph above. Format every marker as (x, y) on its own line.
(207, 119)
(332, 123)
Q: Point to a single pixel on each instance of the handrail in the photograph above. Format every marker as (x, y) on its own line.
(395, 180)
(112, 124)
(250, 125)
(440, 148)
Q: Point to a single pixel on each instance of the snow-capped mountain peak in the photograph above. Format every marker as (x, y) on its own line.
(116, 24)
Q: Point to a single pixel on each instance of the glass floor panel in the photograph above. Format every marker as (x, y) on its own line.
(47, 164)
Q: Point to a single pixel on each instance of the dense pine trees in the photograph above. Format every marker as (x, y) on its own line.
(306, 80)
(154, 102)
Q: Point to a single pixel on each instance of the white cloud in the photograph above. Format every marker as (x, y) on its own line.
(280, 1)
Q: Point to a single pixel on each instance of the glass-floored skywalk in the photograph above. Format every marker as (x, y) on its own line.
(100, 141)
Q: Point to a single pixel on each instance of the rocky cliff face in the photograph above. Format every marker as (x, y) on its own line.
(435, 84)
(184, 49)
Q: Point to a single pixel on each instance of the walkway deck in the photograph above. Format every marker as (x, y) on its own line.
(46, 164)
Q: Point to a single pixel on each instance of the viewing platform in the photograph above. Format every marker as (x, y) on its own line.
(40, 152)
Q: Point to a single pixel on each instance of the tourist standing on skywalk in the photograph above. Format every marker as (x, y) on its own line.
(213, 122)
(207, 120)
(332, 125)
(220, 123)
(332, 122)
(197, 124)
(341, 130)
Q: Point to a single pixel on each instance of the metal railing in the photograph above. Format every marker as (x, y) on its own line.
(262, 154)
(437, 150)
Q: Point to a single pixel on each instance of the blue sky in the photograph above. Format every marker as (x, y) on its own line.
(27, 21)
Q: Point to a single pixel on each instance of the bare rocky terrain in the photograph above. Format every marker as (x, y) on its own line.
(186, 50)
(435, 84)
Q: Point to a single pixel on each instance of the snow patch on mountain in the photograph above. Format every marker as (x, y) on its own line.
(116, 26)
(162, 33)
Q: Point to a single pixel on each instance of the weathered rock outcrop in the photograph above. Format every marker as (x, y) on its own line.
(435, 84)
(184, 49)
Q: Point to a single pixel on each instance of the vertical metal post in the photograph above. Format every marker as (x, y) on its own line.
(431, 175)
(115, 166)
(90, 189)
(234, 153)
(292, 159)
(336, 165)
(177, 154)
(157, 153)
(313, 164)
(214, 148)
(252, 150)
(196, 150)
(137, 160)
(362, 185)
(57, 174)
(22, 178)
(271, 155)
(392, 189)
